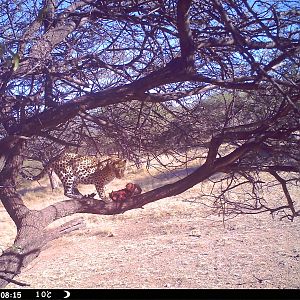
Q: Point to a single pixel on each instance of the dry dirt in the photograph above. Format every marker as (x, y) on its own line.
(171, 243)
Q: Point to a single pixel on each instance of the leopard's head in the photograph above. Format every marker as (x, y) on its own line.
(118, 166)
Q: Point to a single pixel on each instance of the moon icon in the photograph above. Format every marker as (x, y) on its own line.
(68, 294)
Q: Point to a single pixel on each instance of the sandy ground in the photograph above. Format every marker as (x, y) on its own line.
(171, 243)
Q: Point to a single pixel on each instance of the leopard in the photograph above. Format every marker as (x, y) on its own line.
(74, 169)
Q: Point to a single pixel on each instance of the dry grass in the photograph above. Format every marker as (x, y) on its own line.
(171, 243)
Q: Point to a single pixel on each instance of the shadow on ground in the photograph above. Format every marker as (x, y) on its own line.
(42, 189)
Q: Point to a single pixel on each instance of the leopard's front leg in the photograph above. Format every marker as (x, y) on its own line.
(100, 190)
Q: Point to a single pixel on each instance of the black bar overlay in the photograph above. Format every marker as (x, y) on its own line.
(155, 294)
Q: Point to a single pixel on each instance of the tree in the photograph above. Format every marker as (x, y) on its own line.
(222, 76)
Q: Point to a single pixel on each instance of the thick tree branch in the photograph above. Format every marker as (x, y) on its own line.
(185, 33)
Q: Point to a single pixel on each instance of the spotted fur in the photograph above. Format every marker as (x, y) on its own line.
(73, 169)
